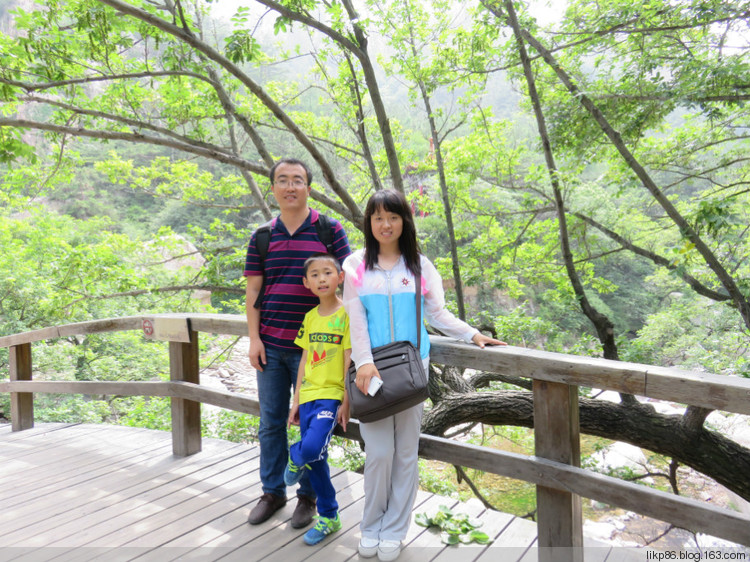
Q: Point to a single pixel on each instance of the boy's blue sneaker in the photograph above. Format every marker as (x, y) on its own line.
(293, 473)
(322, 529)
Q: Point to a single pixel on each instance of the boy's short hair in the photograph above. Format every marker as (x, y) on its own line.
(320, 256)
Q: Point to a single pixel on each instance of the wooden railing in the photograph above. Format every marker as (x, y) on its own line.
(555, 467)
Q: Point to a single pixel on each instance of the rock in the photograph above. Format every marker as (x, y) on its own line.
(667, 409)
(598, 530)
(619, 455)
(735, 426)
(606, 395)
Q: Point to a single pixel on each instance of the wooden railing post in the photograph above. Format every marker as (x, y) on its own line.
(21, 403)
(557, 437)
(186, 414)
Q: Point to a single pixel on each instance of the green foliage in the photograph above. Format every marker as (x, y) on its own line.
(147, 412)
(71, 409)
(13, 148)
(455, 527)
(434, 481)
(346, 454)
(691, 333)
(56, 270)
(715, 216)
(230, 426)
(83, 265)
(241, 46)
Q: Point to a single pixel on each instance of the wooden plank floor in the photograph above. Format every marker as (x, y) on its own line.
(90, 492)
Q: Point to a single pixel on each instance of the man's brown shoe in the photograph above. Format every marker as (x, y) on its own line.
(303, 513)
(266, 506)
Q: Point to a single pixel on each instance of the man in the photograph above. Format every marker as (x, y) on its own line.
(273, 326)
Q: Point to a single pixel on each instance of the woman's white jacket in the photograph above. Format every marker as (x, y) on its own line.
(382, 307)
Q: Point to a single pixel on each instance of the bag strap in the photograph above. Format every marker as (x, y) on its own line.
(262, 242)
(324, 229)
(418, 282)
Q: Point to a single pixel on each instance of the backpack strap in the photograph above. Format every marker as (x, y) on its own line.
(262, 242)
(325, 232)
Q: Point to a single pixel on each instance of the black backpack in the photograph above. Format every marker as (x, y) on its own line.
(263, 240)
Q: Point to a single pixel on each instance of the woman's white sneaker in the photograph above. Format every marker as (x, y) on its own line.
(368, 547)
(389, 550)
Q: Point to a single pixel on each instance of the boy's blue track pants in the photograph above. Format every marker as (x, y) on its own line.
(317, 420)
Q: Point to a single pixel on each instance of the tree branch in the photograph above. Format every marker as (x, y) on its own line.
(359, 50)
(741, 303)
(696, 285)
(170, 289)
(207, 152)
(36, 87)
(462, 476)
(135, 123)
(602, 324)
(256, 90)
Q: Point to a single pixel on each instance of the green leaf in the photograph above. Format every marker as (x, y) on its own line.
(479, 537)
(279, 26)
(242, 47)
(452, 527)
(440, 518)
(423, 520)
(448, 538)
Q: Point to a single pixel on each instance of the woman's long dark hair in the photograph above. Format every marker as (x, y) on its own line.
(393, 202)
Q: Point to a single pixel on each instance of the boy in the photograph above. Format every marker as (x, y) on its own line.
(320, 399)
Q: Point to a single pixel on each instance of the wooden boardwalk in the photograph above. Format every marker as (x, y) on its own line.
(96, 492)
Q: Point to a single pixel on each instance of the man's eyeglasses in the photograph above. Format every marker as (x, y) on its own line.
(294, 183)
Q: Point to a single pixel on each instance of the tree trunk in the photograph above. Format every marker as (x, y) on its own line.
(712, 261)
(389, 145)
(446, 204)
(603, 325)
(358, 48)
(706, 451)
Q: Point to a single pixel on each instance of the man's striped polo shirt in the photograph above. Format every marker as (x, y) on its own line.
(286, 299)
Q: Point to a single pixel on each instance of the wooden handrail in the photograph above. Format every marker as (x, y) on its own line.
(555, 376)
(716, 392)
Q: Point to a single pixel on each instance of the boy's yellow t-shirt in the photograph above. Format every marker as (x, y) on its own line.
(325, 338)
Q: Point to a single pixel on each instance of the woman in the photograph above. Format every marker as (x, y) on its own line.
(379, 296)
